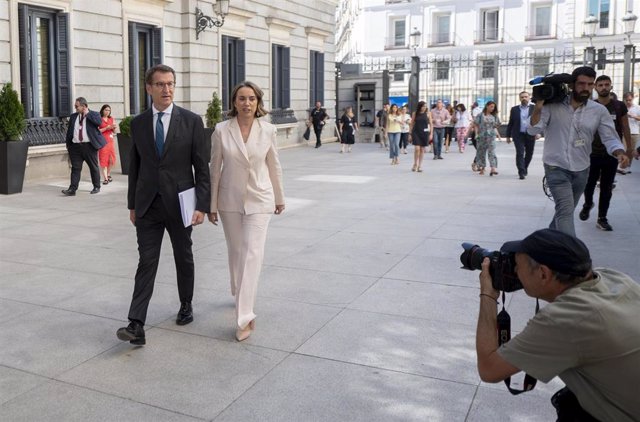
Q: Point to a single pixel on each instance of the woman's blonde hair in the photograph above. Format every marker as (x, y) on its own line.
(260, 110)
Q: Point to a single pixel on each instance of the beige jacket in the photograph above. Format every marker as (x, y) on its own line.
(245, 177)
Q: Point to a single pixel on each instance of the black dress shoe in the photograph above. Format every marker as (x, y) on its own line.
(522, 177)
(185, 314)
(133, 333)
(69, 192)
(95, 190)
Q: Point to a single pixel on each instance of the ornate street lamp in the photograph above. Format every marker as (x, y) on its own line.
(590, 26)
(220, 8)
(629, 22)
(414, 79)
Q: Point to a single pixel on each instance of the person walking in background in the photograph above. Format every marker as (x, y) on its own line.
(348, 129)
(83, 142)
(168, 156)
(318, 118)
(603, 166)
(475, 112)
(107, 154)
(633, 114)
(394, 129)
(404, 131)
(246, 180)
(486, 126)
(441, 118)
(462, 121)
(448, 129)
(517, 130)
(381, 125)
(421, 132)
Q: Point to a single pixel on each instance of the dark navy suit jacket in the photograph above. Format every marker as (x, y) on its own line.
(183, 164)
(93, 122)
(513, 127)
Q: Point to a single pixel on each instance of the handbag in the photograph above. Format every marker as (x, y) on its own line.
(307, 133)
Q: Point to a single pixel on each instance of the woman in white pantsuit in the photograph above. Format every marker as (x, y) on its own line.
(246, 188)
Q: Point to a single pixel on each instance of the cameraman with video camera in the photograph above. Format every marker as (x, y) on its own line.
(569, 126)
(588, 334)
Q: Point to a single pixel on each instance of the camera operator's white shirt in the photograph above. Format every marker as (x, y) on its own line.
(568, 133)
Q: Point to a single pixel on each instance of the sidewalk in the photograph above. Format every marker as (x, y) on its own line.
(363, 312)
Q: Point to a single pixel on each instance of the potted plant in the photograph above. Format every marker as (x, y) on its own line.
(125, 143)
(13, 149)
(212, 117)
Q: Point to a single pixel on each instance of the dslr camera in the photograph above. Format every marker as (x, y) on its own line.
(502, 266)
(551, 88)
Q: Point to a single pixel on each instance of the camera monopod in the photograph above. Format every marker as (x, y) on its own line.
(504, 335)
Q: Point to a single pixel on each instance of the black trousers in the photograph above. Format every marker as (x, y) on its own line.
(318, 132)
(568, 408)
(603, 168)
(524, 144)
(150, 230)
(79, 153)
(404, 140)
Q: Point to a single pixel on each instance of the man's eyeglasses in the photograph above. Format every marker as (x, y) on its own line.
(161, 85)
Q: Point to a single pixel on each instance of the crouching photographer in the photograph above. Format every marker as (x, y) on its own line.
(588, 334)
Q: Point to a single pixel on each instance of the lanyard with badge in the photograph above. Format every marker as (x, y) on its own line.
(580, 139)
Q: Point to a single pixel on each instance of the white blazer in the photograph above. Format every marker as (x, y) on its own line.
(245, 177)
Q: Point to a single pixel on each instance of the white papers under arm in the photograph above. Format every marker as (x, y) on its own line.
(187, 205)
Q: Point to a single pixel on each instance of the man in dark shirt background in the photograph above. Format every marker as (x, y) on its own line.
(318, 117)
(604, 166)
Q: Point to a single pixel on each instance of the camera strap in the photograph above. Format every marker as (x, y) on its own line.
(504, 335)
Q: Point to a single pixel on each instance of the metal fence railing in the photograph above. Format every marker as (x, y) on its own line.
(499, 76)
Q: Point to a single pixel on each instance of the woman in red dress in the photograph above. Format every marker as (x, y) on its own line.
(107, 154)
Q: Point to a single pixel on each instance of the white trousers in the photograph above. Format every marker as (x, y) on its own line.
(246, 236)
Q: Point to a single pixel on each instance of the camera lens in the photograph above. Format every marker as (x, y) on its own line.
(472, 256)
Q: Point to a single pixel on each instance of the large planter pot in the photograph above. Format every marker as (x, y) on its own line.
(208, 132)
(13, 162)
(124, 147)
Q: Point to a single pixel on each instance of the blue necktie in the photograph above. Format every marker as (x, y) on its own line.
(159, 134)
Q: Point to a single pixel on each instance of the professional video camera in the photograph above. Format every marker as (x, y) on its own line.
(551, 88)
(502, 266)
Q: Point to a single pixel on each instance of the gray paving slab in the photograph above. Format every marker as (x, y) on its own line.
(409, 345)
(49, 341)
(187, 374)
(310, 389)
(56, 401)
(14, 383)
(363, 311)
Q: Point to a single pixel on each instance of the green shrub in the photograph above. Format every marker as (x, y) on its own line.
(125, 126)
(12, 122)
(214, 111)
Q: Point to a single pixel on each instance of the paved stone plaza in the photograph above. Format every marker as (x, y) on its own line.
(363, 312)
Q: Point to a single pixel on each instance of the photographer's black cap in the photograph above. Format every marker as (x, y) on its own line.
(557, 250)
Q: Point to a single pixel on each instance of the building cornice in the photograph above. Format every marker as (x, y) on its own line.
(281, 24)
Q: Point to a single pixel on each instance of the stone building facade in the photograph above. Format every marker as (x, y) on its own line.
(56, 50)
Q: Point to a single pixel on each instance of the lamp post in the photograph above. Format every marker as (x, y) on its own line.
(414, 79)
(629, 21)
(590, 26)
(221, 9)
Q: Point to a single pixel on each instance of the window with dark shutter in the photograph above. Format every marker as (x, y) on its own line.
(316, 77)
(281, 76)
(233, 66)
(145, 51)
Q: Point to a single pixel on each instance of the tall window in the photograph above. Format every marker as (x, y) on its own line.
(487, 68)
(399, 32)
(542, 21)
(442, 29)
(442, 70)
(45, 77)
(145, 51)
(280, 74)
(490, 29)
(233, 67)
(600, 9)
(540, 66)
(398, 75)
(316, 77)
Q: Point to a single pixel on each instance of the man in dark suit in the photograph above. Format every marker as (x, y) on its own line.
(517, 130)
(318, 117)
(83, 142)
(168, 156)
